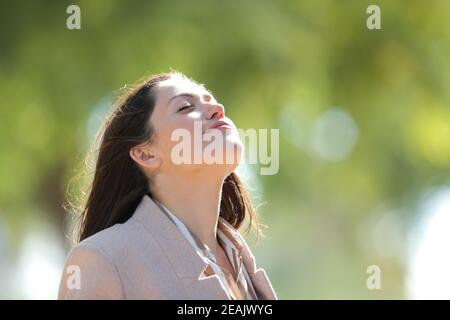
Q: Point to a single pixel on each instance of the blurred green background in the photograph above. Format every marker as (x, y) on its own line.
(364, 120)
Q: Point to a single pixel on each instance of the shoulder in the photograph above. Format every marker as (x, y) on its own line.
(89, 273)
(118, 241)
(93, 267)
(110, 241)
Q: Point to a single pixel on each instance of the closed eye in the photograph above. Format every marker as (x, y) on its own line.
(186, 107)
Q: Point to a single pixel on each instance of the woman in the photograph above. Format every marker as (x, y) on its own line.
(155, 226)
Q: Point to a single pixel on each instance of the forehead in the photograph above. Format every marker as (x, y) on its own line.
(177, 85)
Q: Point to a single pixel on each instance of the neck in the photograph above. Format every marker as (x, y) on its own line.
(194, 199)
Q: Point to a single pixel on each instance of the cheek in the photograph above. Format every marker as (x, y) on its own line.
(183, 126)
(170, 135)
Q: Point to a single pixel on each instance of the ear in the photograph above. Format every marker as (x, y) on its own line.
(144, 157)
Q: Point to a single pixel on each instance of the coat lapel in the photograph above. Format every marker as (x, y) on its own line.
(259, 277)
(187, 264)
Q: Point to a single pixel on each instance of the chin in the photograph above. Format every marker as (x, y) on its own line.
(234, 151)
(225, 161)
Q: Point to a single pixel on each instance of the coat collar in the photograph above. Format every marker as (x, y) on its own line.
(187, 264)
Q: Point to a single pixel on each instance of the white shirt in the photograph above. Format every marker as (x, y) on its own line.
(240, 287)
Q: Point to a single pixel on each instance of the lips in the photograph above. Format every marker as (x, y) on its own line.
(220, 124)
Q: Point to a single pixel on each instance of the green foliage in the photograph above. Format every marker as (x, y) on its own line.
(268, 62)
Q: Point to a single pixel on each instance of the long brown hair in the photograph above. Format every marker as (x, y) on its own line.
(118, 183)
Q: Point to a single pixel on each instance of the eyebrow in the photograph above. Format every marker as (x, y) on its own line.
(184, 94)
(187, 94)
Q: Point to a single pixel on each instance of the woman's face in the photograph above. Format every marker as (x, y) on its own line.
(182, 118)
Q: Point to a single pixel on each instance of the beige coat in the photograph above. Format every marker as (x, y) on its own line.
(146, 257)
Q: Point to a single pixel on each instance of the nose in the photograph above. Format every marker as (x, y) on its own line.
(217, 110)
